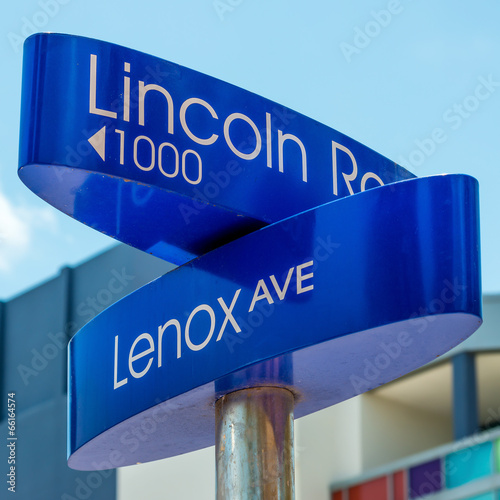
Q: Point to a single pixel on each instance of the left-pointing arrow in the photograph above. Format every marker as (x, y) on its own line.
(98, 142)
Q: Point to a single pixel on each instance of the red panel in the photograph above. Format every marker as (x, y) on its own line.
(337, 495)
(376, 489)
(400, 489)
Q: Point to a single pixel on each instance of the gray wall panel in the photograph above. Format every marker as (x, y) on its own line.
(107, 278)
(41, 469)
(34, 344)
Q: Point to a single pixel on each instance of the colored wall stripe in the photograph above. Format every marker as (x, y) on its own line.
(469, 464)
(426, 478)
(485, 496)
(376, 489)
(451, 471)
(400, 488)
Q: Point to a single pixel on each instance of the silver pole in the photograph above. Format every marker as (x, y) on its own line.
(254, 444)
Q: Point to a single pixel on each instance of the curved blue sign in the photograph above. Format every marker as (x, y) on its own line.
(169, 160)
(330, 303)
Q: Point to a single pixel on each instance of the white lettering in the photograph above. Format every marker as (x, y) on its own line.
(117, 384)
(136, 161)
(143, 90)
(265, 294)
(281, 141)
(198, 179)
(258, 144)
(184, 107)
(229, 315)
(136, 352)
(348, 178)
(161, 330)
(121, 133)
(93, 109)
(301, 278)
(160, 159)
(133, 357)
(126, 93)
(268, 141)
(210, 311)
(281, 293)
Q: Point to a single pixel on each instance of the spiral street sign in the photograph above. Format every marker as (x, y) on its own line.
(307, 261)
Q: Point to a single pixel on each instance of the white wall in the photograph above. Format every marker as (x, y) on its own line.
(327, 448)
(391, 431)
(187, 477)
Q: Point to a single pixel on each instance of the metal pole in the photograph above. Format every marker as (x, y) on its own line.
(254, 444)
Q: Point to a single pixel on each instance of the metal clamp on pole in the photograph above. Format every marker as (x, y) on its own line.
(254, 444)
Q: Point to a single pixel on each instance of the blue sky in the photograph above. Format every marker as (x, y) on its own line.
(419, 82)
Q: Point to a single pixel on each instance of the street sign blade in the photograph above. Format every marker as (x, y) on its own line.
(135, 128)
(330, 303)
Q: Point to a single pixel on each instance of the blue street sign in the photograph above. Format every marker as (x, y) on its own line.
(330, 303)
(167, 159)
(310, 261)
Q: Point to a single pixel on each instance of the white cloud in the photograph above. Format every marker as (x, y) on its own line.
(17, 224)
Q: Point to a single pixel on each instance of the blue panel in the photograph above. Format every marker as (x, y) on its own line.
(485, 496)
(426, 478)
(469, 464)
(378, 284)
(465, 402)
(81, 151)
